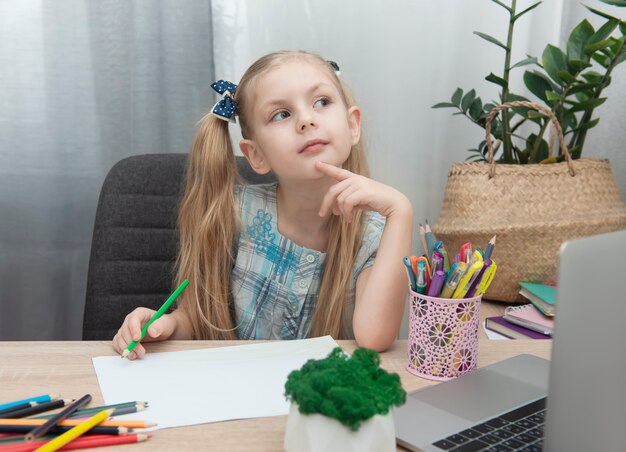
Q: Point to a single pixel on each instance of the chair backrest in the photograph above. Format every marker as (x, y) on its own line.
(135, 240)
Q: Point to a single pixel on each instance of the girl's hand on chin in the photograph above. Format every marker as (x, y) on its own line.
(358, 192)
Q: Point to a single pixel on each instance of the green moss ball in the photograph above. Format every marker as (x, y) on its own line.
(349, 389)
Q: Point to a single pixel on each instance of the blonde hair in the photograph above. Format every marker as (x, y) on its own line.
(209, 221)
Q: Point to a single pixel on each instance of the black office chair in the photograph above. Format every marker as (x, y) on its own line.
(135, 240)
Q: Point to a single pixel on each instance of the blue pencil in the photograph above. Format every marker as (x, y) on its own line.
(38, 399)
(490, 246)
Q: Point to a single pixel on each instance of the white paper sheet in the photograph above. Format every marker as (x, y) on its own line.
(208, 385)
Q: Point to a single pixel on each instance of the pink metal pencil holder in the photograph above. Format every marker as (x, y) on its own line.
(443, 336)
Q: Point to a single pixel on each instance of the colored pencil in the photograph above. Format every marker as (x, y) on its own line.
(115, 405)
(83, 442)
(157, 315)
(20, 406)
(43, 428)
(120, 408)
(422, 233)
(59, 429)
(75, 432)
(430, 240)
(38, 399)
(118, 412)
(8, 437)
(490, 246)
(39, 408)
(30, 422)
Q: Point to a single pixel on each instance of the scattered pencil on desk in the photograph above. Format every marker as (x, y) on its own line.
(120, 409)
(42, 429)
(60, 429)
(38, 399)
(83, 442)
(75, 432)
(17, 407)
(157, 315)
(37, 408)
(29, 422)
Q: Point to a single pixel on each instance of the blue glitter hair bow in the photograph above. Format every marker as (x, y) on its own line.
(225, 108)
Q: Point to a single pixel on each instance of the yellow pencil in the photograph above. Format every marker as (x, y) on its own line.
(75, 432)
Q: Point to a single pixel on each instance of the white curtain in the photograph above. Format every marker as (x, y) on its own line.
(401, 57)
(83, 84)
(608, 138)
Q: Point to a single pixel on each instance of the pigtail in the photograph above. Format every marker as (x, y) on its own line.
(344, 241)
(208, 224)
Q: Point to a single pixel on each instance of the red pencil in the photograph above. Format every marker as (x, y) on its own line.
(82, 442)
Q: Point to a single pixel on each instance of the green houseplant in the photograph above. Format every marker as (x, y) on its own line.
(530, 205)
(569, 81)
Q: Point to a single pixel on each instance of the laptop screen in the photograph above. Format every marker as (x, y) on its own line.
(586, 408)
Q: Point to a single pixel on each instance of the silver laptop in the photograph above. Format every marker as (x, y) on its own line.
(506, 406)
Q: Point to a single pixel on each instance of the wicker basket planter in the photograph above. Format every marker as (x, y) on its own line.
(531, 208)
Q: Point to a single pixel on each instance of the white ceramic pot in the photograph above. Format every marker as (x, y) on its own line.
(317, 433)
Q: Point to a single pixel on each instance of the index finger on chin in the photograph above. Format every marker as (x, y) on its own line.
(332, 171)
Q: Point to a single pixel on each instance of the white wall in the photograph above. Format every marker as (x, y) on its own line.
(400, 57)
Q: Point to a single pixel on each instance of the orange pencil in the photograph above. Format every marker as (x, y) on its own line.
(73, 422)
(83, 442)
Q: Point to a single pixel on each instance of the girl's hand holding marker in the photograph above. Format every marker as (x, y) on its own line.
(432, 274)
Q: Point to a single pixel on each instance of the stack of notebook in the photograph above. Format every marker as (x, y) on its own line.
(530, 321)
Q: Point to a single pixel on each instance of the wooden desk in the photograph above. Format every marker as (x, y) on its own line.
(30, 368)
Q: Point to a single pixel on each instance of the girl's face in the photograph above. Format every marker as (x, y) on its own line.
(296, 117)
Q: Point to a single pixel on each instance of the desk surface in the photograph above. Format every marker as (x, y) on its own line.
(28, 368)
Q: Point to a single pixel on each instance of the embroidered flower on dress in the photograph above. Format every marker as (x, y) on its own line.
(261, 227)
(261, 233)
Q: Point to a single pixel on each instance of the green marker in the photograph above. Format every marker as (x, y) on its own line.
(157, 315)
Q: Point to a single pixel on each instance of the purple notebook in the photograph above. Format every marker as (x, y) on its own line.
(508, 329)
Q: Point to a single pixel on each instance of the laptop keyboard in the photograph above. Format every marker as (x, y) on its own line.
(520, 430)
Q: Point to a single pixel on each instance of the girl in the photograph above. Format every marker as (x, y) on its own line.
(319, 252)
